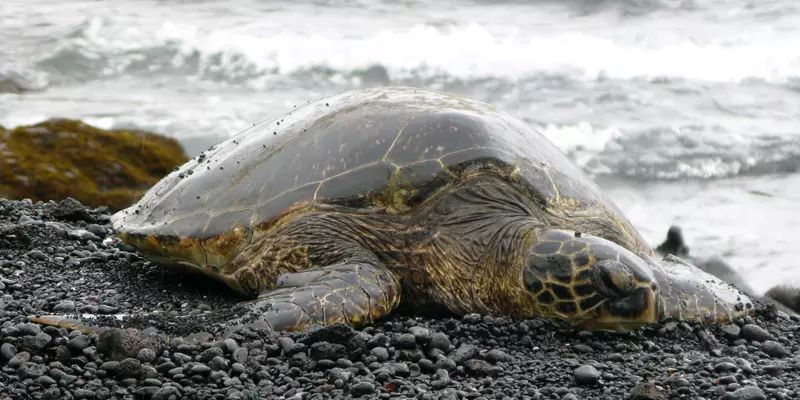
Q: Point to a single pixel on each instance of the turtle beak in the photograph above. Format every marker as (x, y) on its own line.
(640, 306)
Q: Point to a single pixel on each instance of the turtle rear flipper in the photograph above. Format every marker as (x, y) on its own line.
(65, 322)
(353, 293)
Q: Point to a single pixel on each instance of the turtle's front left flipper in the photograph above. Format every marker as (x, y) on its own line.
(353, 293)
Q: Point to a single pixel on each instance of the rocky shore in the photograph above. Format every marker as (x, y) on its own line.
(60, 158)
(59, 258)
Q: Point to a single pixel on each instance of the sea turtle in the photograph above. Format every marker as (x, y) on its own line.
(348, 206)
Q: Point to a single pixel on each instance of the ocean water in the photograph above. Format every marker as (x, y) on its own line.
(686, 112)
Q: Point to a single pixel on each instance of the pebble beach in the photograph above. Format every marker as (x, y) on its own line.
(62, 258)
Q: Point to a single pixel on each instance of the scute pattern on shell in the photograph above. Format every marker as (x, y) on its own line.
(380, 150)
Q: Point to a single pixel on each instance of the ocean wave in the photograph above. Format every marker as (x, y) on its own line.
(688, 152)
(103, 47)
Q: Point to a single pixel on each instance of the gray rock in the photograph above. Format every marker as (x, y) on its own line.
(29, 329)
(731, 331)
(7, 351)
(421, 334)
(286, 344)
(96, 230)
(230, 345)
(37, 255)
(464, 353)
(440, 341)
(586, 375)
(476, 367)
(774, 349)
(31, 370)
(107, 309)
(66, 306)
(78, 343)
(167, 392)
(81, 234)
(218, 364)
(109, 366)
(146, 355)
(495, 356)
(210, 353)
(362, 388)
(240, 355)
(34, 343)
(787, 295)
(201, 369)
(748, 393)
(406, 341)
(380, 353)
(19, 359)
(327, 351)
(755, 332)
(45, 380)
(647, 391)
(129, 368)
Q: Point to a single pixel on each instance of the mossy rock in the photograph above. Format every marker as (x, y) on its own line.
(61, 158)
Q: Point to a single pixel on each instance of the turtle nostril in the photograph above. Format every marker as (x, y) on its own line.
(608, 282)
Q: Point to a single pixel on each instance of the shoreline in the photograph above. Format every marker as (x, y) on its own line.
(57, 258)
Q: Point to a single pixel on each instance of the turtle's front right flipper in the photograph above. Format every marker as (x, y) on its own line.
(352, 293)
(689, 293)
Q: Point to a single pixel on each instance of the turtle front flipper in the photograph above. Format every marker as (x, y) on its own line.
(689, 293)
(353, 293)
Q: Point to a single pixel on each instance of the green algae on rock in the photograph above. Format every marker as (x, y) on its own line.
(61, 158)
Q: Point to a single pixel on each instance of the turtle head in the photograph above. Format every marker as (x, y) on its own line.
(592, 281)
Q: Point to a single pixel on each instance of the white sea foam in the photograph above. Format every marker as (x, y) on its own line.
(466, 50)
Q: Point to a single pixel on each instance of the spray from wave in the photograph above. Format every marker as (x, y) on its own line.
(558, 67)
(672, 153)
(103, 47)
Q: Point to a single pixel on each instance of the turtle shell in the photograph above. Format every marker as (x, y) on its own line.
(377, 151)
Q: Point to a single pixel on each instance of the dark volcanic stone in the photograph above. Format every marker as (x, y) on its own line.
(478, 367)
(19, 359)
(66, 306)
(464, 353)
(440, 341)
(774, 349)
(406, 341)
(327, 351)
(118, 344)
(7, 351)
(755, 332)
(197, 355)
(30, 329)
(731, 331)
(647, 391)
(146, 355)
(166, 393)
(78, 343)
(34, 343)
(747, 393)
(586, 375)
(210, 353)
(31, 370)
(129, 368)
(362, 388)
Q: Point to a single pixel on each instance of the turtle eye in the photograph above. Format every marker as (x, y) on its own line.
(612, 279)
